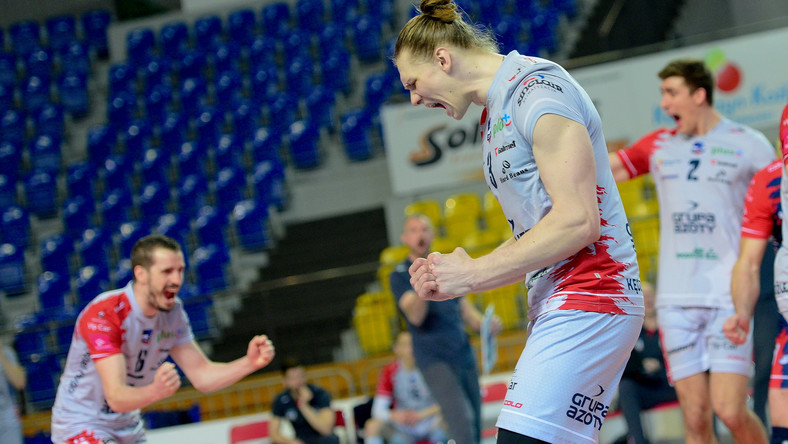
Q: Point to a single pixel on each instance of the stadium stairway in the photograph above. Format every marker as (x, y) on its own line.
(304, 298)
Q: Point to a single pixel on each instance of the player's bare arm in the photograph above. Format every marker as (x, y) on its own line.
(414, 308)
(620, 173)
(124, 398)
(745, 288)
(564, 156)
(208, 376)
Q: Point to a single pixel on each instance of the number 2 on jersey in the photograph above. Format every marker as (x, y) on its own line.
(694, 164)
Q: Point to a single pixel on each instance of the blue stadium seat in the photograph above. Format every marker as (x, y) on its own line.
(299, 75)
(93, 249)
(224, 57)
(297, 44)
(73, 94)
(245, 118)
(311, 14)
(228, 152)
(56, 251)
(100, 144)
(123, 273)
(191, 194)
(336, 71)
(264, 80)
(544, 28)
(77, 214)
(382, 10)
(174, 39)
(367, 39)
(121, 110)
(41, 194)
(268, 177)
(320, 103)
(377, 89)
(283, 110)
(192, 93)
(13, 127)
(76, 59)
(7, 96)
(10, 162)
(136, 139)
(130, 233)
(229, 186)
(79, 180)
(157, 102)
(276, 18)
(155, 166)
(355, 135)
(140, 45)
(209, 122)
(263, 49)
(91, 282)
(64, 333)
(115, 207)
(35, 94)
(12, 269)
(190, 160)
(156, 72)
(568, 8)
(267, 144)
(122, 77)
(207, 31)
(8, 69)
(154, 201)
(42, 377)
(52, 289)
(199, 312)
(304, 151)
(210, 268)
(209, 225)
(227, 89)
(45, 154)
(117, 172)
(39, 64)
(251, 226)
(241, 26)
(176, 226)
(508, 30)
(173, 130)
(30, 342)
(25, 37)
(331, 38)
(192, 64)
(94, 27)
(61, 31)
(8, 191)
(344, 11)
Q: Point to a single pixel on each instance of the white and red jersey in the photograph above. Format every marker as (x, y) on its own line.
(762, 215)
(403, 389)
(602, 277)
(701, 182)
(781, 260)
(113, 323)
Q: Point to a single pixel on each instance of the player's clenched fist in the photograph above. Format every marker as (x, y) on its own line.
(260, 351)
(166, 381)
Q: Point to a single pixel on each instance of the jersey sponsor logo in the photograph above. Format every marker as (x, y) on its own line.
(83, 365)
(780, 287)
(698, 253)
(720, 177)
(511, 174)
(516, 405)
(697, 148)
(505, 147)
(503, 121)
(99, 326)
(490, 175)
(537, 81)
(100, 342)
(146, 336)
(693, 222)
(723, 163)
(681, 348)
(726, 151)
(587, 410)
(634, 285)
(165, 335)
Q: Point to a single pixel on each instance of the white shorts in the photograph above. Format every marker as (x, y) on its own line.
(693, 342)
(565, 379)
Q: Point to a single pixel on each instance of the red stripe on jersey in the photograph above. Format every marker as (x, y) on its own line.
(385, 385)
(85, 437)
(101, 325)
(591, 270)
(784, 131)
(762, 202)
(635, 158)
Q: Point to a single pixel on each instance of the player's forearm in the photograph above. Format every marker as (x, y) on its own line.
(560, 234)
(218, 375)
(126, 398)
(15, 373)
(429, 411)
(745, 287)
(414, 308)
(321, 420)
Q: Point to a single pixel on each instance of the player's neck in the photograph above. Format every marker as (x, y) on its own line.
(707, 120)
(141, 293)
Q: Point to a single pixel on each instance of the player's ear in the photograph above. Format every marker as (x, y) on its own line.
(443, 58)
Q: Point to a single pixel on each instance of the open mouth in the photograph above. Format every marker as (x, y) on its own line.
(170, 293)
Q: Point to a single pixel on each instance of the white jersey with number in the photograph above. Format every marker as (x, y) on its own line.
(602, 277)
(113, 323)
(701, 183)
